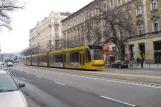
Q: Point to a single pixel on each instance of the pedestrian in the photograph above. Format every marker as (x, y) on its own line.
(142, 62)
(138, 61)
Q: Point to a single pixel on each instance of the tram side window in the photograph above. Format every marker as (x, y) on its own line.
(53, 58)
(44, 58)
(74, 57)
(64, 57)
(58, 58)
(29, 59)
(88, 56)
(34, 59)
(49, 58)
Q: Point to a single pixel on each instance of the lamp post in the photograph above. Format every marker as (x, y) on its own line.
(50, 26)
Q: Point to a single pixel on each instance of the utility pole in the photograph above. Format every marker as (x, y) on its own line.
(50, 38)
(38, 53)
(0, 47)
(49, 45)
(2, 57)
(31, 55)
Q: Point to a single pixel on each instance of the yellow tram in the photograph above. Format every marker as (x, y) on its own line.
(80, 57)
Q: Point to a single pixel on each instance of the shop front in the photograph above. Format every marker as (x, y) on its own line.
(157, 52)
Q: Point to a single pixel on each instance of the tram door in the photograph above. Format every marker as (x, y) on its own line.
(82, 60)
(67, 60)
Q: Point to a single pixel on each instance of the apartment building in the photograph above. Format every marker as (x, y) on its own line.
(145, 15)
(74, 27)
(33, 37)
(48, 31)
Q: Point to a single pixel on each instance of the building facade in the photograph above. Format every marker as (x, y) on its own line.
(75, 28)
(145, 16)
(33, 37)
(146, 19)
(49, 31)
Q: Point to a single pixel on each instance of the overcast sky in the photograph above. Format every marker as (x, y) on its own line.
(35, 10)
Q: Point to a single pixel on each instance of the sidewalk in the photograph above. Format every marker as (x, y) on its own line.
(153, 70)
(147, 66)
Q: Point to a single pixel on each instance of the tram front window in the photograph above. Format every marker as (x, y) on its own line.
(97, 54)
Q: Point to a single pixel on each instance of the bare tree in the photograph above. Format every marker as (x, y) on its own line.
(32, 51)
(60, 44)
(7, 6)
(117, 27)
(26, 52)
(67, 43)
(93, 30)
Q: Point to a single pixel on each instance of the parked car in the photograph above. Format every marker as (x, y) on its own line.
(119, 64)
(10, 94)
(9, 64)
(2, 65)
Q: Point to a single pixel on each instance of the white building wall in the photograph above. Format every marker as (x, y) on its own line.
(46, 31)
(33, 37)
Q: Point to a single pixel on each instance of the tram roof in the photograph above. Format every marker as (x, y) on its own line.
(42, 54)
(77, 48)
(55, 52)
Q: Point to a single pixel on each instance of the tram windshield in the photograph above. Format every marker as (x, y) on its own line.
(97, 54)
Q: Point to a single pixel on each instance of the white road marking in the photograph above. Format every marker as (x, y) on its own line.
(27, 73)
(59, 83)
(25, 79)
(118, 101)
(38, 77)
(112, 80)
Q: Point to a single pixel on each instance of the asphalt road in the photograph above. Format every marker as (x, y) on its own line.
(54, 89)
(31, 102)
(53, 94)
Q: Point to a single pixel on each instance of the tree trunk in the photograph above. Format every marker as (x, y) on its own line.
(120, 52)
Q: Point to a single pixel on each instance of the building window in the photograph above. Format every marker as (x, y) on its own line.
(56, 29)
(154, 4)
(129, 33)
(128, 13)
(128, 0)
(119, 2)
(121, 33)
(78, 31)
(104, 6)
(138, 10)
(111, 4)
(140, 29)
(156, 26)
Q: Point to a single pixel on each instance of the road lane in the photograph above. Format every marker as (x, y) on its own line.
(41, 97)
(151, 79)
(133, 94)
(69, 96)
(31, 102)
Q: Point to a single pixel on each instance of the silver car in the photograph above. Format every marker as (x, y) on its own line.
(10, 94)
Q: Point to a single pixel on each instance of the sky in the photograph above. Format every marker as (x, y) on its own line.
(22, 20)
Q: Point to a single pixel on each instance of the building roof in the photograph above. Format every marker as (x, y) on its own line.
(82, 9)
(65, 13)
(72, 15)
